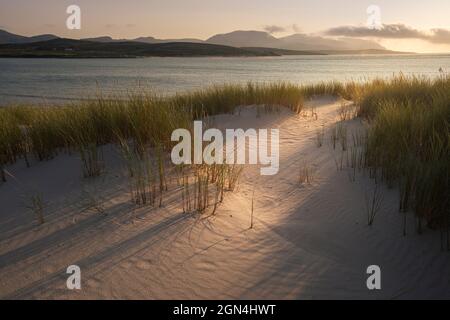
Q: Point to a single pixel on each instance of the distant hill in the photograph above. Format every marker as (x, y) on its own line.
(365, 51)
(301, 42)
(68, 48)
(7, 37)
(236, 43)
(104, 39)
(281, 52)
(308, 42)
(246, 39)
(293, 42)
(154, 40)
(142, 39)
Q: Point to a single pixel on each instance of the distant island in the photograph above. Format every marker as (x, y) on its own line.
(69, 48)
(234, 44)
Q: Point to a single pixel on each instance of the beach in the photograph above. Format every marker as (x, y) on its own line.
(310, 238)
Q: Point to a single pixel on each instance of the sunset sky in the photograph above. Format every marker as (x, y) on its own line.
(414, 20)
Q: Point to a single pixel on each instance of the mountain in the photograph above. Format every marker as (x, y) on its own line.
(281, 52)
(7, 37)
(69, 48)
(303, 41)
(246, 39)
(293, 42)
(105, 39)
(256, 43)
(361, 52)
(154, 40)
(148, 40)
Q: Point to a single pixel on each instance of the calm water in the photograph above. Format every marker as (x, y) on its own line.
(58, 80)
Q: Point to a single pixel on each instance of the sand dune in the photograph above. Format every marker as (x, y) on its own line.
(309, 241)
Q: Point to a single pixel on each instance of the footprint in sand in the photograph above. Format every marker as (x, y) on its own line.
(144, 264)
(127, 264)
(267, 201)
(93, 283)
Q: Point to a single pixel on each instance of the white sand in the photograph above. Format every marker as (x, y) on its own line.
(308, 242)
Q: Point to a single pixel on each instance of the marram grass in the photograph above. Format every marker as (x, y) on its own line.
(408, 139)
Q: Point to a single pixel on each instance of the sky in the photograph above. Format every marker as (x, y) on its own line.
(165, 19)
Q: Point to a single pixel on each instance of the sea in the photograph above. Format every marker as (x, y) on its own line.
(59, 81)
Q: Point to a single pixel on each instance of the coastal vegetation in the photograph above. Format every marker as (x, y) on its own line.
(406, 146)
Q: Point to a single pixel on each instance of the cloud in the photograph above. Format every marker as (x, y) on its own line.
(130, 25)
(274, 29)
(440, 36)
(278, 29)
(395, 31)
(392, 31)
